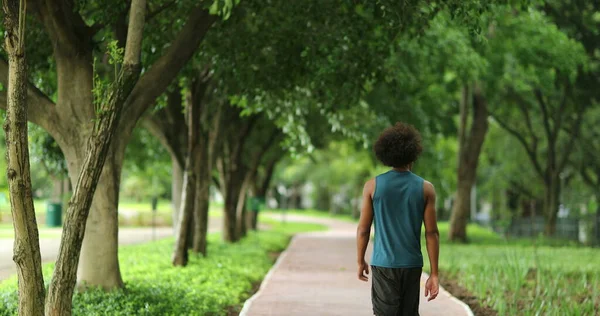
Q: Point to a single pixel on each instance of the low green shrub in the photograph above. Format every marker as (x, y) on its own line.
(207, 286)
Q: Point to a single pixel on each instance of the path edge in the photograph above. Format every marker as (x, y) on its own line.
(248, 302)
(452, 297)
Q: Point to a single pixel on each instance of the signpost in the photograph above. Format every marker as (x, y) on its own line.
(154, 204)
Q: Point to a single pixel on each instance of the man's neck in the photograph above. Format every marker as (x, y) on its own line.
(402, 169)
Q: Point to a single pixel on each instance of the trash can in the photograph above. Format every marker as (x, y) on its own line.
(54, 215)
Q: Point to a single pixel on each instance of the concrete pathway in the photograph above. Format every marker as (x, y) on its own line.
(317, 276)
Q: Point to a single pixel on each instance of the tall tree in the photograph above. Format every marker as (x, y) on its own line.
(71, 120)
(470, 142)
(542, 87)
(27, 247)
(194, 200)
(430, 75)
(61, 288)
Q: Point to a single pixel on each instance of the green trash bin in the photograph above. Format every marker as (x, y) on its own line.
(54, 215)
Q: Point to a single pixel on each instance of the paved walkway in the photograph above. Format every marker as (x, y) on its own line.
(317, 276)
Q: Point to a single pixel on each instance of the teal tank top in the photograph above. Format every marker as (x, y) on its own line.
(398, 207)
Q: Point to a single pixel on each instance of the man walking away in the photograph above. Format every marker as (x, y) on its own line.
(399, 201)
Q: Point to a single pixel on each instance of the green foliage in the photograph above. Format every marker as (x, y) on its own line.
(223, 7)
(45, 151)
(207, 286)
(115, 55)
(147, 168)
(527, 51)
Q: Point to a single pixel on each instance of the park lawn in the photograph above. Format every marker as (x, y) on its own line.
(515, 278)
(215, 285)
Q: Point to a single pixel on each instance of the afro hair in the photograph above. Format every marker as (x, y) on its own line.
(398, 146)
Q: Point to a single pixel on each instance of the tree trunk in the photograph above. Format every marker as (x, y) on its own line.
(176, 192)
(201, 215)
(99, 262)
(230, 210)
(192, 163)
(60, 292)
(461, 210)
(180, 256)
(241, 211)
(26, 249)
(202, 200)
(551, 202)
(469, 150)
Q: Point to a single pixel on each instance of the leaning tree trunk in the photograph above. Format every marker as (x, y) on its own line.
(241, 210)
(469, 149)
(61, 288)
(551, 202)
(27, 245)
(192, 166)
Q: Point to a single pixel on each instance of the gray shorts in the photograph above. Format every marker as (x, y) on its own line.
(395, 291)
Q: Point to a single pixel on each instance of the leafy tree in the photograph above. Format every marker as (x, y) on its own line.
(535, 67)
(75, 80)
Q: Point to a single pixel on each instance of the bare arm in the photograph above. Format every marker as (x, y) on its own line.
(432, 237)
(363, 232)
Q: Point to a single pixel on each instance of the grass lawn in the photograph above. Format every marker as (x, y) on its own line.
(516, 278)
(215, 285)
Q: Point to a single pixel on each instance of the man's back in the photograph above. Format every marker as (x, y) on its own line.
(398, 202)
(398, 205)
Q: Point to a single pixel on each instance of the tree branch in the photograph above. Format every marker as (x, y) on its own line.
(522, 106)
(153, 13)
(242, 136)
(521, 139)
(40, 110)
(574, 136)
(260, 154)
(154, 81)
(64, 25)
(522, 189)
(587, 178)
(155, 128)
(169, 127)
(546, 119)
(558, 117)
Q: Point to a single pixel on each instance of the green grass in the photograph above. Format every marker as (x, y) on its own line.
(207, 286)
(516, 278)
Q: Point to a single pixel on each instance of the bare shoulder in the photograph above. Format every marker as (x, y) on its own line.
(369, 187)
(428, 189)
